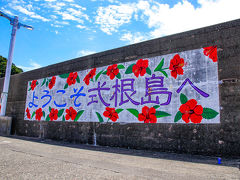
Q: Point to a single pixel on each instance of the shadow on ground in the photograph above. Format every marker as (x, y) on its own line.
(232, 162)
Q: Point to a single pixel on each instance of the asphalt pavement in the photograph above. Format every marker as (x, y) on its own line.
(32, 158)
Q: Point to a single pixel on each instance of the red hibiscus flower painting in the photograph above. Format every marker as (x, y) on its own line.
(39, 114)
(52, 82)
(89, 76)
(176, 66)
(211, 52)
(140, 67)
(33, 84)
(28, 113)
(53, 114)
(148, 115)
(111, 114)
(71, 113)
(191, 111)
(72, 78)
(112, 71)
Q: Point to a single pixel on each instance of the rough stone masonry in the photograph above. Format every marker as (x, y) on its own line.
(212, 139)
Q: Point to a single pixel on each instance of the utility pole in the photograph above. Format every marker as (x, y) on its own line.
(15, 26)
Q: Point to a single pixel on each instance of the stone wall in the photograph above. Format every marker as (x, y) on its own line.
(212, 139)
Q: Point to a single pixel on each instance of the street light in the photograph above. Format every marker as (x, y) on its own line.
(16, 25)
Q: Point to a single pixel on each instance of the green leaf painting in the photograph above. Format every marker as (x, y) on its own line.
(48, 118)
(79, 114)
(119, 110)
(178, 116)
(98, 75)
(160, 65)
(160, 114)
(133, 112)
(66, 86)
(129, 69)
(164, 73)
(100, 119)
(183, 98)
(44, 81)
(120, 66)
(161, 69)
(209, 113)
(33, 114)
(156, 106)
(148, 70)
(60, 112)
(43, 113)
(47, 82)
(78, 79)
(64, 76)
(118, 76)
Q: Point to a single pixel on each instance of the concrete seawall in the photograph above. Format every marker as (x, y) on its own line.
(212, 139)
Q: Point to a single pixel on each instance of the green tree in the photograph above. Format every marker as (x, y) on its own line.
(3, 64)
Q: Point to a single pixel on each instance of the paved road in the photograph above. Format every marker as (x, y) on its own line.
(29, 158)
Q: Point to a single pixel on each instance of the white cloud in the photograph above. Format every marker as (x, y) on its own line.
(33, 65)
(29, 7)
(65, 10)
(77, 6)
(53, 16)
(59, 24)
(81, 27)
(66, 16)
(29, 13)
(77, 13)
(56, 25)
(184, 16)
(110, 18)
(57, 7)
(113, 1)
(84, 53)
(161, 19)
(61, 4)
(133, 37)
(62, 22)
(74, 15)
(56, 32)
(69, 0)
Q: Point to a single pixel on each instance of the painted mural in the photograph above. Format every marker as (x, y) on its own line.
(175, 88)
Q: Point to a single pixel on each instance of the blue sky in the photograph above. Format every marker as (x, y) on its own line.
(66, 29)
